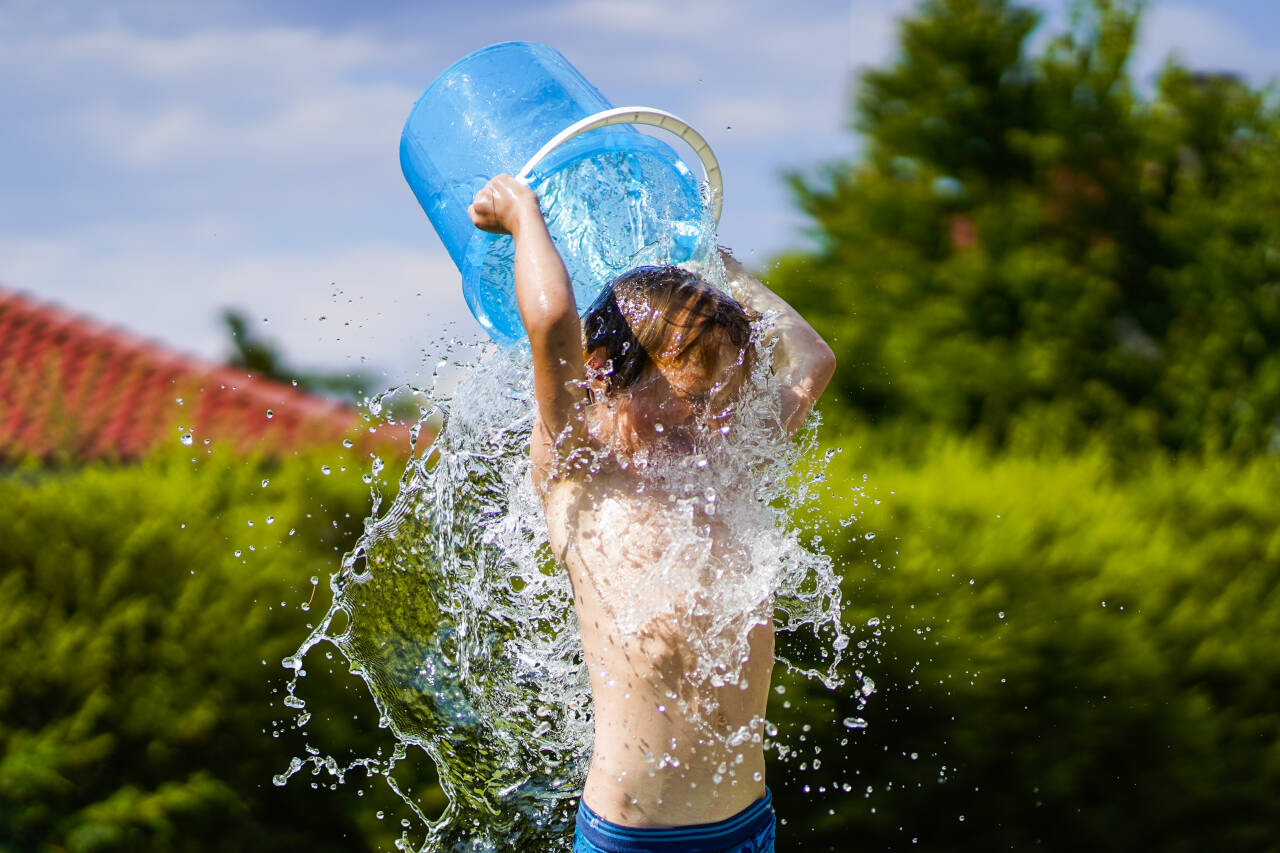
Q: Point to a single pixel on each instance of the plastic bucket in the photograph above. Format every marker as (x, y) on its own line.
(614, 197)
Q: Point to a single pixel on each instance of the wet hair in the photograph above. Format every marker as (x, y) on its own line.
(657, 316)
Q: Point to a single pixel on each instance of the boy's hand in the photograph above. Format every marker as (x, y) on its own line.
(502, 205)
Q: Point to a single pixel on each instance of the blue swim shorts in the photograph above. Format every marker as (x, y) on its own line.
(749, 831)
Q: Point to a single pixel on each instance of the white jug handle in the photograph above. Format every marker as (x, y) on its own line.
(647, 116)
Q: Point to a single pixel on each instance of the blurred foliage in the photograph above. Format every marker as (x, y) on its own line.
(261, 357)
(1032, 250)
(1055, 297)
(1068, 657)
(146, 612)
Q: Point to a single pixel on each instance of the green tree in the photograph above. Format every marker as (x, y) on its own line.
(262, 357)
(1029, 250)
(1216, 175)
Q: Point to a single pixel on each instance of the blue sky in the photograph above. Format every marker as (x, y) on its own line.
(159, 161)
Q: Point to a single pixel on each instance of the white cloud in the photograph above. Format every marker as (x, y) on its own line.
(654, 18)
(293, 54)
(762, 118)
(1204, 39)
(813, 61)
(281, 95)
(340, 122)
(381, 304)
(185, 170)
(873, 30)
(778, 76)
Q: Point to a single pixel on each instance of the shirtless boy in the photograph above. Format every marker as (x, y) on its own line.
(660, 358)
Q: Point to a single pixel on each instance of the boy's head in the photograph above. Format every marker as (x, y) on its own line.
(669, 342)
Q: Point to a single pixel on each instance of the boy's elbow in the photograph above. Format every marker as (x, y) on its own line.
(551, 324)
(823, 364)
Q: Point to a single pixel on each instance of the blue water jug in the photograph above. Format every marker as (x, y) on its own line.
(614, 198)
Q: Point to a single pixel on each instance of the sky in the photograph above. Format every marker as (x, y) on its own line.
(162, 161)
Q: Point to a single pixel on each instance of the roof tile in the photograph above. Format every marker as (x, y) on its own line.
(73, 388)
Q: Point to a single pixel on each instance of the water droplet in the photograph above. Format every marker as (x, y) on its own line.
(265, 483)
(270, 414)
(869, 536)
(469, 460)
(187, 439)
(271, 519)
(291, 701)
(854, 723)
(326, 470)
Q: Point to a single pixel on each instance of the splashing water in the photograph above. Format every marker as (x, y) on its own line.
(454, 613)
(606, 213)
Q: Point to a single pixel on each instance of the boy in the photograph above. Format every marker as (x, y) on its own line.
(623, 412)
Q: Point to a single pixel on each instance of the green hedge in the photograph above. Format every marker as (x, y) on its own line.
(1071, 657)
(140, 669)
(136, 712)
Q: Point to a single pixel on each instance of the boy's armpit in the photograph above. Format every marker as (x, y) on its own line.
(557, 458)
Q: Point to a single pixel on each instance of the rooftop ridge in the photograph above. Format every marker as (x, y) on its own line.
(73, 386)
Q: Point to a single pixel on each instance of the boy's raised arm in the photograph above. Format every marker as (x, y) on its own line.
(802, 361)
(547, 307)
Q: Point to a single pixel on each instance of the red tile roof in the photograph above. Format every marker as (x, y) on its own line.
(71, 388)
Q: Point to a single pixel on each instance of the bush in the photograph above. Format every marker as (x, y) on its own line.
(146, 611)
(1070, 657)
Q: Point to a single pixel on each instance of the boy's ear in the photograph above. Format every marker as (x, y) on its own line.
(597, 362)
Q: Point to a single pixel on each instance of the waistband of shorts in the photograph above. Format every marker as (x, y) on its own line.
(616, 838)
